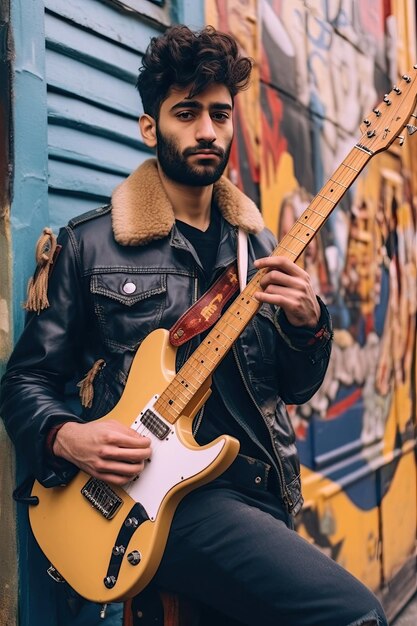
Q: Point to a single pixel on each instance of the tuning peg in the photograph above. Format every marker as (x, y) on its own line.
(387, 100)
(411, 129)
(396, 89)
(401, 139)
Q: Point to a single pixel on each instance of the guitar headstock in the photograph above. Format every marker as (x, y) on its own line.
(388, 119)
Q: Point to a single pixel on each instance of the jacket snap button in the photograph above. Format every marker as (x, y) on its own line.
(258, 480)
(129, 288)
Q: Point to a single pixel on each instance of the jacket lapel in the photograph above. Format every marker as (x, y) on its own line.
(142, 212)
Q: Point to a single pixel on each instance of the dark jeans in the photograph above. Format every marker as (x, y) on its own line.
(233, 549)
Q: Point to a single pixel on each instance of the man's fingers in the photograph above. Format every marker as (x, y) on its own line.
(115, 471)
(117, 434)
(280, 263)
(126, 454)
(112, 466)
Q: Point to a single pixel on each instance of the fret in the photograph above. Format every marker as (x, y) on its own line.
(337, 182)
(352, 168)
(303, 231)
(321, 195)
(182, 387)
(283, 250)
(238, 327)
(311, 218)
(297, 246)
(221, 333)
(300, 240)
(177, 395)
(315, 214)
(208, 341)
(196, 364)
(221, 339)
(245, 307)
(326, 206)
(201, 365)
(344, 176)
(202, 356)
(312, 208)
(167, 411)
(330, 189)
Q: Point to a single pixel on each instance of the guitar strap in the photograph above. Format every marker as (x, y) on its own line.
(208, 309)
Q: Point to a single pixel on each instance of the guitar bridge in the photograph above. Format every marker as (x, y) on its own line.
(102, 497)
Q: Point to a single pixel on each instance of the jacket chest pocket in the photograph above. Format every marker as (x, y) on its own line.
(128, 306)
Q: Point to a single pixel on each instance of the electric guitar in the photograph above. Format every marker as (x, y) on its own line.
(107, 541)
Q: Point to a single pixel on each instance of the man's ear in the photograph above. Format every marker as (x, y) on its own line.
(147, 127)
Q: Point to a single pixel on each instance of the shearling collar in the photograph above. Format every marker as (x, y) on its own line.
(141, 211)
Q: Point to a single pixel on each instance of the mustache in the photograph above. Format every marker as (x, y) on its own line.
(204, 146)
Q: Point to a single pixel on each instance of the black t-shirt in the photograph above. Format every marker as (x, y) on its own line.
(216, 418)
(205, 242)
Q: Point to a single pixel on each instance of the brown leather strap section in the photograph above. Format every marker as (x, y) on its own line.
(127, 613)
(178, 610)
(207, 310)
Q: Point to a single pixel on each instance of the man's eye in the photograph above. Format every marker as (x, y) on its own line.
(220, 117)
(185, 115)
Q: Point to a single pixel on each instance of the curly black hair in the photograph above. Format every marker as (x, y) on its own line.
(195, 59)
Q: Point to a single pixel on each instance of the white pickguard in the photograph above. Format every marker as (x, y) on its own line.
(171, 463)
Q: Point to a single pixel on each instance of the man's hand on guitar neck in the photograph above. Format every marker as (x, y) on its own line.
(288, 286)
(106, 450)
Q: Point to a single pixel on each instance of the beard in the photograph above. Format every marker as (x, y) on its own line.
(174, 163)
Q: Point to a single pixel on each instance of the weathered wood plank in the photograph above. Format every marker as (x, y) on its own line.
(74, 77)
(73, 112)
(125, 28)
(91, 48)
(81, 147)
(75, 179)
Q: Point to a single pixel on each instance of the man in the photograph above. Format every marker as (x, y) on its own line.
(125, 270)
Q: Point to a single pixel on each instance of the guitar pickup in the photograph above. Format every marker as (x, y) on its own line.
(155, 424)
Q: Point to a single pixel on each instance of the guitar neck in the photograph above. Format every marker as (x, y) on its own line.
(204, 360)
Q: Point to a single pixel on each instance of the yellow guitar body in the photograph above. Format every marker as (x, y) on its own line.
(107, 541)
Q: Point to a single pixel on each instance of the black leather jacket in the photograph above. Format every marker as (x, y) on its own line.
(120, 274)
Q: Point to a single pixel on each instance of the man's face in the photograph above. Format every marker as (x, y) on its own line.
(194, 135)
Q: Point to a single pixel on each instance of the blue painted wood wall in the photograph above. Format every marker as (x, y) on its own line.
(75, 111)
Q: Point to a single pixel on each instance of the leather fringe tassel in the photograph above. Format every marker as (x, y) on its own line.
(86, 384)
(37, 289)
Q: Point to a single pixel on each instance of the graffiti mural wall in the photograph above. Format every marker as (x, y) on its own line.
(320, 70)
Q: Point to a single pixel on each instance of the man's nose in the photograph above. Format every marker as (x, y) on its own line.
(205, 129)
